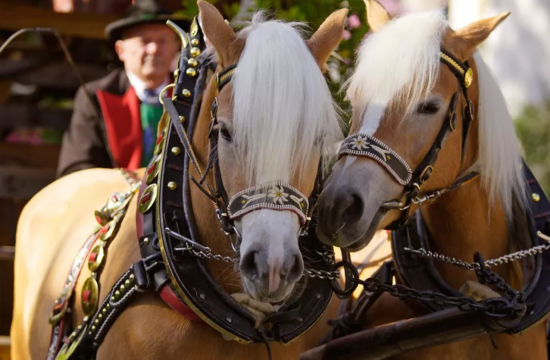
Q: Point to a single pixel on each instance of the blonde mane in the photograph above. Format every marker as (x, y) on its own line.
(283, 111)
(401, 63)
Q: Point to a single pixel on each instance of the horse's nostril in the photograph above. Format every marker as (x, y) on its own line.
(296, 268)
(249, 266)
(352, 213)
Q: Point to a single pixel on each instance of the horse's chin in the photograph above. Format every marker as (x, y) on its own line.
(260, 293)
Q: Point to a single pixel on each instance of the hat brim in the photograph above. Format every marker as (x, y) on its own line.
(115, 30)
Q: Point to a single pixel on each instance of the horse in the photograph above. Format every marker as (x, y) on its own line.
(423, 148)
(274, 123)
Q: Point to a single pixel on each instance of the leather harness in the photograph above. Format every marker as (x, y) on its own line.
(419, 272)
(172, 262)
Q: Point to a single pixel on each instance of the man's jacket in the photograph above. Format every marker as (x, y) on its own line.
(106, 131)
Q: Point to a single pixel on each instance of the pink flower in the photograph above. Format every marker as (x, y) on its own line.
(354, 22)
(346, 35)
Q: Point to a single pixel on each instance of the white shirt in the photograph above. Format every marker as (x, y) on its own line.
(140, 86)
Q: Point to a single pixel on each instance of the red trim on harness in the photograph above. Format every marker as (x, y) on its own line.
(123, 127)
(170, 298)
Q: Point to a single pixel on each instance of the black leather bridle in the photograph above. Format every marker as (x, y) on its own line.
(365, 145)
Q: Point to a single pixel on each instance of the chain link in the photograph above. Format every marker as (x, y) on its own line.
(211, 256)
(322, 274)
(518, 255)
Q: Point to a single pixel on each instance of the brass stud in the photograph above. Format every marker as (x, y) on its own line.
(535, 197)
(122, 288)
(468, 77)
(195, 51)
(100, 316)
(176, 150)
(90, 333)
(172, 185)
(186, 93)
(132, 277)
(127, 283)
(93, 327)
(109, 305)
(192, 62)
(117, 294)
(96, 321)
(104, 311)
(182, 119)
(191, 72)
(195, 42)
(113, 298)
(146, 241)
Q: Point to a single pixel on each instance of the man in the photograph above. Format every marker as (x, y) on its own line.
(114, 122)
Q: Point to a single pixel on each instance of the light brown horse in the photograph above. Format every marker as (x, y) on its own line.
(276, 118)
(401, 93)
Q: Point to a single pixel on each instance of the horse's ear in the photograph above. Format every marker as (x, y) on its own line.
(327, 37)
(377, 16)
(470, 36)
(220, 34)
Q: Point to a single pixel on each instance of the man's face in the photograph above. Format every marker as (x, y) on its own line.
(148, 50)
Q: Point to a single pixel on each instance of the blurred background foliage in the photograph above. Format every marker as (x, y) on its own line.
(533, 128)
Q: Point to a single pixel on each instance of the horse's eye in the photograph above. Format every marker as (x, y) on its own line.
(226, 135)
(429, 107)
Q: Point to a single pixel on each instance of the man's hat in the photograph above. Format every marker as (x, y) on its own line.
(144, 12)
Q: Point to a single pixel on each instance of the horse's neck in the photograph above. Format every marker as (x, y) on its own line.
(462, 222)
(207, 224)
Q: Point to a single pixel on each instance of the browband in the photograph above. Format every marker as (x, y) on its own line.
(461, 70)
(274, 195)
(225, 76)
(369, 146)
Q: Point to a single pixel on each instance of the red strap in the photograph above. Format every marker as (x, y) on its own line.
(168, 296)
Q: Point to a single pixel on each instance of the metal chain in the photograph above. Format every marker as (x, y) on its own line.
(322, 274)
(518, 255)
(211, 256)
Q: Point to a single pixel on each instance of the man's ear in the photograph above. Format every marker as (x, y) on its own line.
(377, 16)
(466, 40)
(119, 49)
(327, 37)
(218, 32)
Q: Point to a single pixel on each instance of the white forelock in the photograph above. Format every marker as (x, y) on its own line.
(283, 112)
(400, 62)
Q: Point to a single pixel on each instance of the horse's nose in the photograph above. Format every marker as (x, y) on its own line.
(337, 210)
(257, 266)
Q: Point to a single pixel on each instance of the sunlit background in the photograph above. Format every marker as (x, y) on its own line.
(37, 84)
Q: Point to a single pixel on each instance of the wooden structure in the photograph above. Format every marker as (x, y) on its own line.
(37, 86)
(36, 90)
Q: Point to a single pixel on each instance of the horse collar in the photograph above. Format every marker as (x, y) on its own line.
(420, 273)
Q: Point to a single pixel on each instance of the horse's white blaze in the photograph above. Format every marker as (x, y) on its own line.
(282, 107)
(372, 118)
(401, 60)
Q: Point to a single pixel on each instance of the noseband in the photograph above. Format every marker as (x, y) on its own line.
(365, 145)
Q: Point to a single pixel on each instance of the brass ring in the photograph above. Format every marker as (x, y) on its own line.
(169, 86)
(424, 172)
